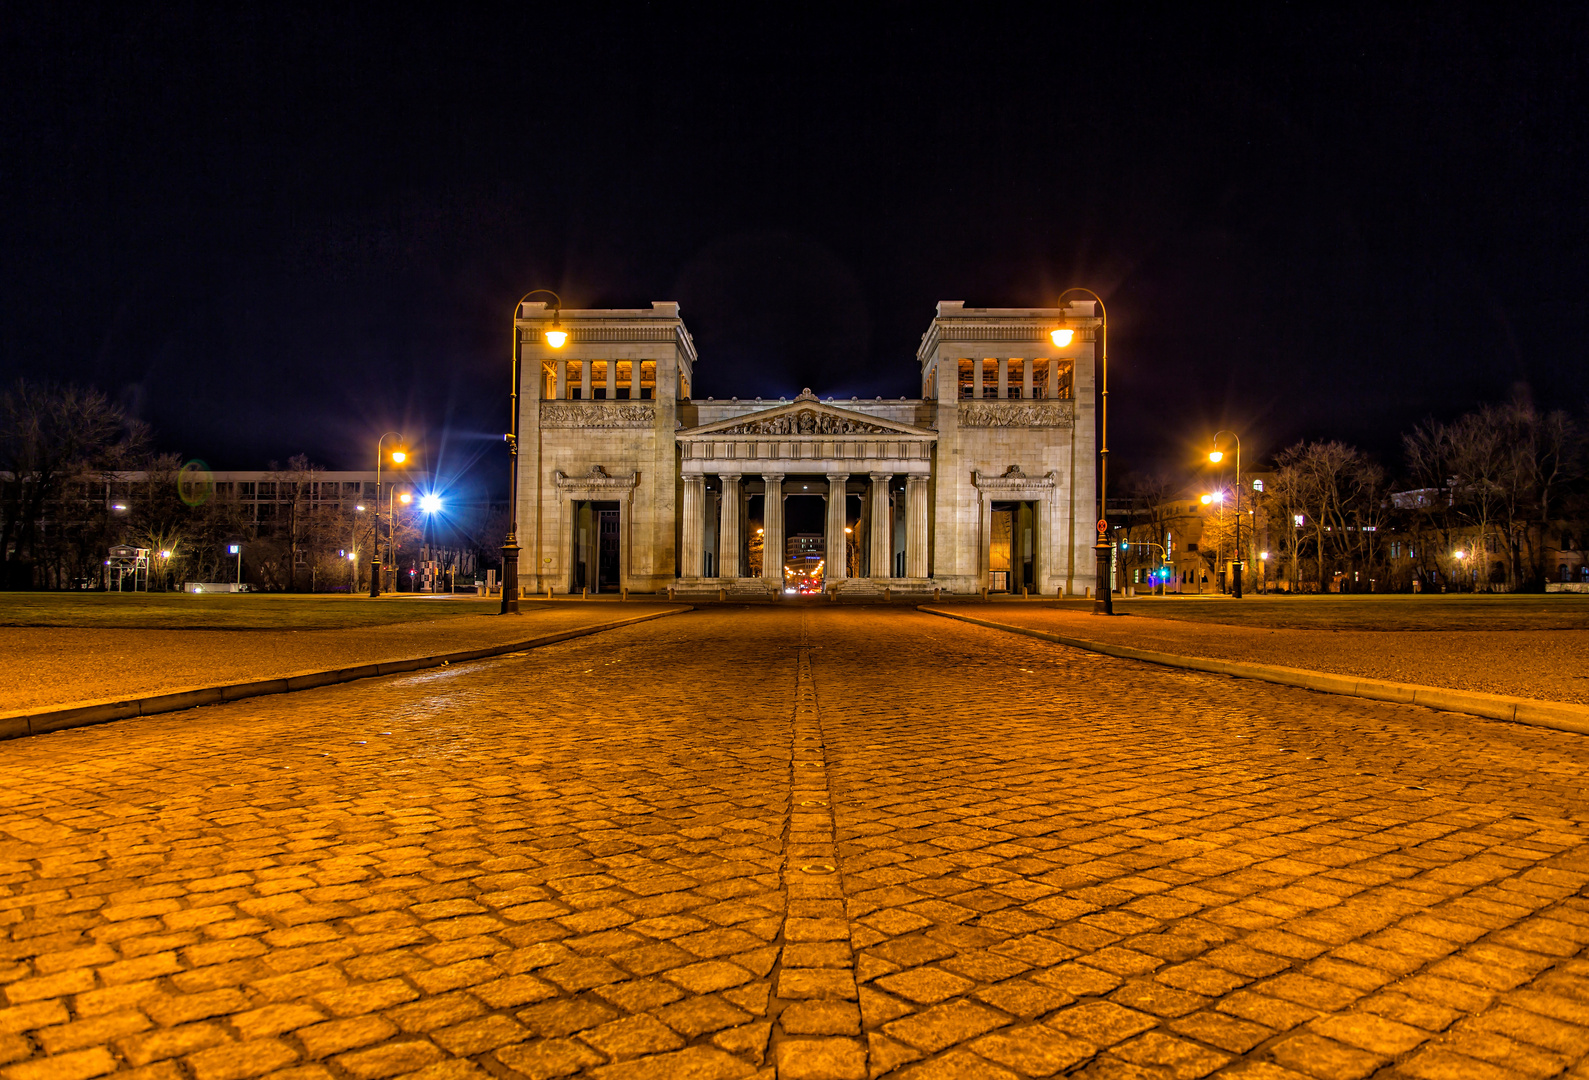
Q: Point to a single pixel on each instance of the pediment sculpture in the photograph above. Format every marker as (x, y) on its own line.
(806, 422)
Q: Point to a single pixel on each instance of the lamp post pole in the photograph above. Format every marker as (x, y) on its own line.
(1103, 602)
(1236, 562)
(375, 531)
(510, 543)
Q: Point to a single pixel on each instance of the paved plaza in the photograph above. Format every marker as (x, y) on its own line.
(803, 843)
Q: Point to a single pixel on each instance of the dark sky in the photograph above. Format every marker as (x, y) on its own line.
(270, 233)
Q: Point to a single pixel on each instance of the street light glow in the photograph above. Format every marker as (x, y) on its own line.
(405, 498)
(1216, 456)
(1062, 336)
(555, 338)
(430, 503)
(399, 456)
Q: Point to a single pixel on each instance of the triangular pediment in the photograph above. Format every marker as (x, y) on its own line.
(806, 416)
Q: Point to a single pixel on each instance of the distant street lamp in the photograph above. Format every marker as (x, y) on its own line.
(398, 457)
(237, 549)
(1216, 455)
(1103, 603)
(555, 337)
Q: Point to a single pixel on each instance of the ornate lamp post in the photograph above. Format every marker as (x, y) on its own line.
(1217, 455)
(555, 337)
(1103, 602)
(398, 457)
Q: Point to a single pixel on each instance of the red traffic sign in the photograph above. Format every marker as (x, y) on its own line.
(1103, 526)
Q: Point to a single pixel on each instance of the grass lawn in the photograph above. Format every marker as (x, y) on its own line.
(1463, 611)
(227, 611)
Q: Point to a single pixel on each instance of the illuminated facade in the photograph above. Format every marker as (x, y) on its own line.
(985, 481)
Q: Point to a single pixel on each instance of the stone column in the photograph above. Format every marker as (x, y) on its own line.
(692, 526)
(837, 568)
(1004, 377)
(728, 526)
(1042, 554)
(772, 531)
(916, 526)
(882, 539)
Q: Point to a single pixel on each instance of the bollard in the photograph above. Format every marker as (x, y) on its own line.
(670, 592)
(888, 596)
(937, 593)
(1023, 592)
(623, 593)
(722, 594)
(584, 593)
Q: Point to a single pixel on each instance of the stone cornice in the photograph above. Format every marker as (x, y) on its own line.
(1013, 483)
(597, 481)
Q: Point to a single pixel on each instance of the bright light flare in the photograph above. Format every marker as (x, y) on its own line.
(399, 456)
(430, 503)
(1216, 456)
(405, 498)
(1062, 337)
(555, 338)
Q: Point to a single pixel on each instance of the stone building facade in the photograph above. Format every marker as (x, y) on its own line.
(987, 480)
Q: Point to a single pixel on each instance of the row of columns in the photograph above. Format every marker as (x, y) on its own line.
(1019, 375)
(692, 538)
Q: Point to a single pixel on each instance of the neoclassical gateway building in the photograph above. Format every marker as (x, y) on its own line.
(984, 481)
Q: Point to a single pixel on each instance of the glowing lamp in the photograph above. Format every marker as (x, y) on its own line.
(1207, 499)
(405, 498)
(556, 335)
(1062, 337)
(399, 456)
(430, 503)
(1216, 456)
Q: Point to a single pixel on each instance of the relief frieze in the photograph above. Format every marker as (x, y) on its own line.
(806, 422)
(994, 414)
(591, 414)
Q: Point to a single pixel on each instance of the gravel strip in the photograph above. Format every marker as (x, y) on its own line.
(46, 666)
(1550, 665)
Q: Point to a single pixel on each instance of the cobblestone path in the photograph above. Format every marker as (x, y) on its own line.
(806, 843)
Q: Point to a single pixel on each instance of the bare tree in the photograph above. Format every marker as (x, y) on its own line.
(49, 436)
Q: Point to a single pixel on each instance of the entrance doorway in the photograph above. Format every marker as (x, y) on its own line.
(597, 562)
(1011, 565)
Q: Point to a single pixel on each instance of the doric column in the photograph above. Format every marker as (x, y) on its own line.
(916, 525)
(728, 526)
(1004, 377)
(772, 530)
(837, 555)
(882, 538)
(692, 526)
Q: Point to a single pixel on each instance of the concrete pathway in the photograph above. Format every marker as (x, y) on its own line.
(48, 666)
(1552, 665)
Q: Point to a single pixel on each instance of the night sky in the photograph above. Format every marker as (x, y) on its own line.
(268, 234)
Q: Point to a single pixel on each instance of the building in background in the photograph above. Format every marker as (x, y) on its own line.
(985, 481)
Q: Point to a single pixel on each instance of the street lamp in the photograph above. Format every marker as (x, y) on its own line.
(555, 337)
(399, 456)
(1103, 603)
(1216, 455)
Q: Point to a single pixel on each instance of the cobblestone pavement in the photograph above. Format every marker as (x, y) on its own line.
(806, 843)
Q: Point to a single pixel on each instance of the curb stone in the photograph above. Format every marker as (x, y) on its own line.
(1532, 711)
(43, 721)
